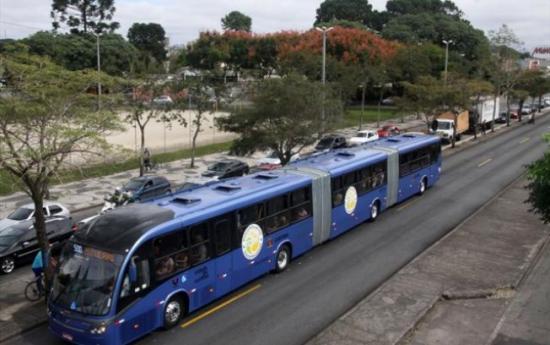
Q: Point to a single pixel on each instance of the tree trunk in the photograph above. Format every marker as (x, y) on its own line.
(141, 158)
(40, 228)
(507, 110)
(453, 140)
(363, 94)
(194, 143)
(495, 109)
(520, 116)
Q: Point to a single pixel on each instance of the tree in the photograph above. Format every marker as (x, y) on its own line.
(77, 52)
(84, 16)
(144, 110)
(48, 117)
(149, 38)
(539, 186)
(401, 7)
(350, 10)
(284, 116)
(504, 68)
(237, 21)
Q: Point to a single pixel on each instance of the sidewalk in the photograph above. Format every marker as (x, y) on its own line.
(457, 291)
(90, 192)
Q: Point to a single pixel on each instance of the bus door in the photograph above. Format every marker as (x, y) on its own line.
(222, 229)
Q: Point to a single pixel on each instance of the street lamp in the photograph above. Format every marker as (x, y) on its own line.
(324, 30)
(447, 57)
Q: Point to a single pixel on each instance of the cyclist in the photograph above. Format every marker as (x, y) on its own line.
(38, 269)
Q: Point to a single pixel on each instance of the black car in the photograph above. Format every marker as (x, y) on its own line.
(19, 245)
(146, 187)
(227, 168)
(331, 142)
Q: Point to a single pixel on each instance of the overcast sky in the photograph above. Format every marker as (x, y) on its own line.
(184, 19)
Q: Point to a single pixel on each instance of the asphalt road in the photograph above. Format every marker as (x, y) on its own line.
(292, 307)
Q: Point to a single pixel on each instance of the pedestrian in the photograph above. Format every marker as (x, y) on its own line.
(484, 127)
(147, 159)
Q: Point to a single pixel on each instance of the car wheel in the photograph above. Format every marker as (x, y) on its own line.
(7, 265)
(283, 258)
(173, 312)
(423, 186)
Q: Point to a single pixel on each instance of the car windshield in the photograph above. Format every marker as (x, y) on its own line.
(325, 142)
(133, 185)
(443, 125)
(220, 166)
(85, 279)
(272, 154)
(362, 135)
(21, 214)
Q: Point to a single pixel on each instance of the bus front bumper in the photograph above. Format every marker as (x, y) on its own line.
(74, 332)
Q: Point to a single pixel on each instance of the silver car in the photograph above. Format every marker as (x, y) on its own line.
(26, 212)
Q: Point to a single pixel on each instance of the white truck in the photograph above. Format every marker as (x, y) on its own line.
(485, 108)
(444, 125)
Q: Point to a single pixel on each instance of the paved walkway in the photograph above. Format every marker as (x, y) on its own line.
(457, 291)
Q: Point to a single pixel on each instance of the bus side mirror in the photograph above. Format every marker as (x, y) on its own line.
(132, 272)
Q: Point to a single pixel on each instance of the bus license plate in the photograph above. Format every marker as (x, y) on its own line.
(67, 336)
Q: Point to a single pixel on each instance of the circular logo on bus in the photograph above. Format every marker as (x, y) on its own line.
(253, 239)
(350, 200)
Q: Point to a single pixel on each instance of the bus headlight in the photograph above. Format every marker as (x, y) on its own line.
(99, 329)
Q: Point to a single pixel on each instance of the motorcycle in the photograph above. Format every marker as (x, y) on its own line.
(110, 202)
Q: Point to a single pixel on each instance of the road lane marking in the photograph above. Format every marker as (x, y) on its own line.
(485, 162)
(524, 140)
(218, 307)
(407, 205)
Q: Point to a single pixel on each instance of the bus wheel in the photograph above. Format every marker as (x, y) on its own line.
(283, 258)
(374, 210)
(423, 185)
(173, 312)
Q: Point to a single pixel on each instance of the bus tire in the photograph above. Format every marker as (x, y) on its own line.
(423, 186)
(282, 260)
(374, 211)
(173, 311)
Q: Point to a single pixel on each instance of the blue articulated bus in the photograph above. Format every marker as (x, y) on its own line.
(144, 266)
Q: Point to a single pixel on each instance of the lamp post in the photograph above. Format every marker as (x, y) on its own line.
(324, 30)
(98, 52)
(447, 43)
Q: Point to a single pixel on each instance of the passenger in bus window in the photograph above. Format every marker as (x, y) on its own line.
(182, 260)
(338, 198)
(164, 266)
(199, 252)
(300, 214)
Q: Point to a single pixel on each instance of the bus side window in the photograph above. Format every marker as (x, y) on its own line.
(222, 234)
(131, 290)
(200, 243)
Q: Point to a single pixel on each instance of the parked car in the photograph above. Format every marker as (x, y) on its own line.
(364, 136)
(273, 159)
(526, 110)
(226, 168)
(388, 131)
(332, 141)
(163, 100)
(19, 245)
(388, 101)
(145, 187)
(26, 212)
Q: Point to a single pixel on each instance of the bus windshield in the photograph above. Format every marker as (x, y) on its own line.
(85, 279)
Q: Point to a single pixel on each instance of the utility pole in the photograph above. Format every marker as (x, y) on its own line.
(98, 52)
(324, 30)
(446, 57)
